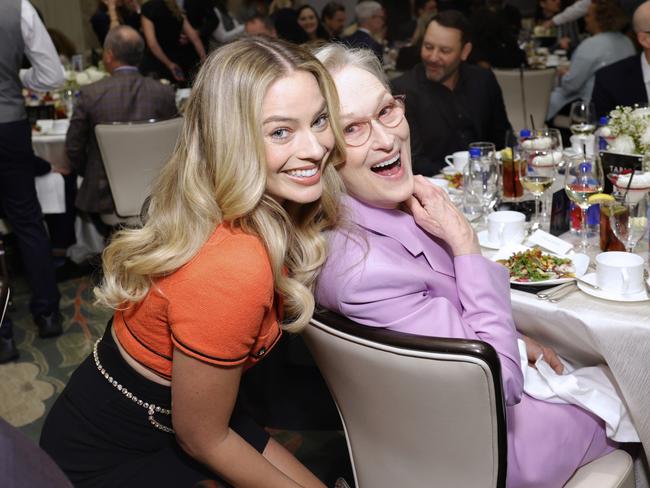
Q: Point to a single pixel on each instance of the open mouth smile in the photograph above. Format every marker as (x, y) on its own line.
(390, 167)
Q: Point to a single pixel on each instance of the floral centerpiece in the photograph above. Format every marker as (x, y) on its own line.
(628, 131)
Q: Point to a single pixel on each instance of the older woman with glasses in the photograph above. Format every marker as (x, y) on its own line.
(407, 260)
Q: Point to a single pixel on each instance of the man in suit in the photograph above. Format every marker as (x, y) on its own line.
(125, 96)
(449, 103)
(23, 34)
(333, 18)
(626, 82)
(371, 18)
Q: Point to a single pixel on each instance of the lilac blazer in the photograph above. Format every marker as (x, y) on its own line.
(385, 271)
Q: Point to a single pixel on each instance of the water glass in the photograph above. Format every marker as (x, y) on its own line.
(629, 222)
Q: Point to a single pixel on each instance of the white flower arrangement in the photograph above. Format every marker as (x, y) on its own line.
(90, 75)
(629, 130)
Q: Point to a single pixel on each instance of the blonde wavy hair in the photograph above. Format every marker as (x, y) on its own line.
(218, 173)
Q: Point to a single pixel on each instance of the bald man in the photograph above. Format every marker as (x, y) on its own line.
(628, 81)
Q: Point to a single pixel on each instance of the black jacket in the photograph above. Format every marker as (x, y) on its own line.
(620, 83)
(432, 111)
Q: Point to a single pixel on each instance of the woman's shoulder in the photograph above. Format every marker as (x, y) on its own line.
(229, 254)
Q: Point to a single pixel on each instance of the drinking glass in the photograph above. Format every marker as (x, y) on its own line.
(542, 155)
(582, 178)
(482, 176)
(583, 118)
(511, 159)
(629, 222)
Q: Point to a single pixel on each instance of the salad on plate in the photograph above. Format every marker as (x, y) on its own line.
(533, 265)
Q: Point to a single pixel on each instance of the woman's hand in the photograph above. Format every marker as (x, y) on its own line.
(534, 350)
(434, 212)
(176, 71)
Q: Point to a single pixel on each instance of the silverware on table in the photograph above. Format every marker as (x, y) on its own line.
(545, 294)
(556, 297)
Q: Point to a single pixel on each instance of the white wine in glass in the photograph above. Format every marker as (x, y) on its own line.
(583, 118)
(536, 184)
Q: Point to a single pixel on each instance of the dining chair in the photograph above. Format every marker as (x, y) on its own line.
(414, 409)
(526, 93)
(426, 411)
(133, 155)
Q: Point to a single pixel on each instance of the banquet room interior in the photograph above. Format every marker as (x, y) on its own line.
(525, 125)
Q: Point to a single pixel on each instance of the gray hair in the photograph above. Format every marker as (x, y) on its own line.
(335, 57)
(365, 10)
(126, 44)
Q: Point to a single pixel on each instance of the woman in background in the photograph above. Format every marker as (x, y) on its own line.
(226, 259)
(165, 30)
(310, 23)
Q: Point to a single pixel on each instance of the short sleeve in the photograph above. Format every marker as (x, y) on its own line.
(217, 306)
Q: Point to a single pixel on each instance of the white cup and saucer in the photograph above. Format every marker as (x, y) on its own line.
(456, 162)
(505, 228)
(618, 277)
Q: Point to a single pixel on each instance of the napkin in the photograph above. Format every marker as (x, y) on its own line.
(50, 189)
(589, 388)
(578, 142)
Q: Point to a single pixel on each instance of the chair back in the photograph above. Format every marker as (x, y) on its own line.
(526, 93)
(133, 155)
(417, 411)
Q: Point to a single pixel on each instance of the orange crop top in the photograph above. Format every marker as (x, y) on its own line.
(219, 308)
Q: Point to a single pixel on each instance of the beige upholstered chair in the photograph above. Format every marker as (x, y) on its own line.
(415, 409)
(133, 155)
(526, 93)
(424, 411)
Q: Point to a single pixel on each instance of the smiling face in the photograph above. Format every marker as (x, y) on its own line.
(377, 172)
(297, 138)
(308, 21)
(442, 52)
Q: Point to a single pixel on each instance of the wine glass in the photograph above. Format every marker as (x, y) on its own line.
(629, 222)
(582, 178)
(583, 119)
(482, 176)
(542, 154)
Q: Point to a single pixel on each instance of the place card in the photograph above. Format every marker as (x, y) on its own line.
(549, 242)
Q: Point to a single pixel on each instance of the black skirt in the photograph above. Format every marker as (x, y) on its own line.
(99, 437)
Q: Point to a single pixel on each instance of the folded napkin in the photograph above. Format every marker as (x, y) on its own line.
(589, 388)
(50, 189)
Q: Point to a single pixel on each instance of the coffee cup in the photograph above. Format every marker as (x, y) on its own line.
(458, 160)
(506, 227)
(619, 272)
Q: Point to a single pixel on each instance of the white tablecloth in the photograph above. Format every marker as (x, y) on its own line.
(587, 331)
(52, 149)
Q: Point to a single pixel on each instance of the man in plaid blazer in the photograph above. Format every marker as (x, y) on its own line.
(125, 96)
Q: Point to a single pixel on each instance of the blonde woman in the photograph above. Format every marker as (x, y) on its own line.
(226, 259)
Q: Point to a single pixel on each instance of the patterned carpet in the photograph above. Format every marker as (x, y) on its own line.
(29, 386)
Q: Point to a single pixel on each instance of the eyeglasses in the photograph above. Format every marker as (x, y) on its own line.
(390, 115)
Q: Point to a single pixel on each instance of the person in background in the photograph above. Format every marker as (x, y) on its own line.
(125, 96)
(225, 261)
(494, 37)
(166, 56)
(262, 25)
(449, 103)
(229, 27)
(333, 17)
(371, 19)
(567, 33)
(407, 260)
(23, 34)
(310, 23)
(111, 13)
(202, 17)
(606, 45)
(409, 55)
(626, 82)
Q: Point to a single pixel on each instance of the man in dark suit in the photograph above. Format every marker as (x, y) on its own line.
(125, 96)
(449, 103)
(626, 82)
(371, 18)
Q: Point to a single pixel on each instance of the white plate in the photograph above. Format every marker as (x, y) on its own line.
(484, 241)
(580, 263)
(608, 295)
